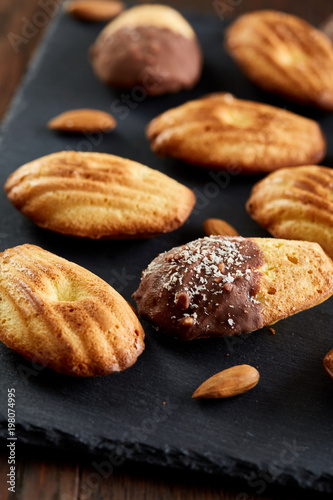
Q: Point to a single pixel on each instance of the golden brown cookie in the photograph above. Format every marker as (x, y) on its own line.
(151, 47)
(221, 132)
(59, 314)
(284, 54)
(296, 204)
(223, 286)
(96, 195)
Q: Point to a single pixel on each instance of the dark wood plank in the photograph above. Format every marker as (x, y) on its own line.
(22, 24)
(45, 475)
(40, 477)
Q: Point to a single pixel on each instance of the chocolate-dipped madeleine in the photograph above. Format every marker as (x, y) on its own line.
(151, 46)
(223, 286)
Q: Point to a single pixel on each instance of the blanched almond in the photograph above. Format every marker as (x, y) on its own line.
(230, 382)
(94, 10)
(83, 120)
(219, 227)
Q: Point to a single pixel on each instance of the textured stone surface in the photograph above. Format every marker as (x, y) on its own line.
(284, 425)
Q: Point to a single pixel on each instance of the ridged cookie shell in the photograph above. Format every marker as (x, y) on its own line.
(57, 313)
(284, 54)
(95, 195)
(296, 204)
(221, 132)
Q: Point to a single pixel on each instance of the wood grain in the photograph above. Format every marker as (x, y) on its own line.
(43, 475)
(22, 24)
(49, 475)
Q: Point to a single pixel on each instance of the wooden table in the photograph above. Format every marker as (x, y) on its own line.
(42, 475)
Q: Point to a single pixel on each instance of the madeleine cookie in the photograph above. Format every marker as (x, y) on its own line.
(60, 314)
(296, 204)
(150, 46)
(223, 286)
(221, 132)
(96, 195)
(284, 54)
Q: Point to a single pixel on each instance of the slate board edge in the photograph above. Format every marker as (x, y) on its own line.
(175, 458)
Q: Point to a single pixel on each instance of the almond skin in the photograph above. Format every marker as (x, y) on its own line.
(219, 227)
(227, 383)
(83, 120)
(328, 363)
(94, 10)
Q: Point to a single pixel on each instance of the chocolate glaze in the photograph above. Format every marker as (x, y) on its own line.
(158, 59)
(205, 288)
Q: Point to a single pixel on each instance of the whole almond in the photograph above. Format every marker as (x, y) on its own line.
(328, 363)
(83, 120)
(94, 10)
(230, 382)
(219, 227)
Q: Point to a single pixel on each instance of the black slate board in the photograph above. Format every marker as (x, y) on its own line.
(279, 432)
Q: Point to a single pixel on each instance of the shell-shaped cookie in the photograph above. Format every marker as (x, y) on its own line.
(97, 195)
(296, 204)
(57, 313)
(150, 46)
(222, 132)
(223, 286)
(296, 275)
(284, 54)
